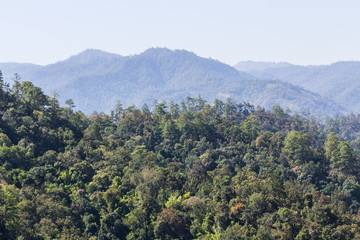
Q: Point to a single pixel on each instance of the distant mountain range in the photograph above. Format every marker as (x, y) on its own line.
(339, 81)
(250, 66)
(96, 80)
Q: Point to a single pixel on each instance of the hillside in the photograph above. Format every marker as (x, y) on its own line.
(339, 81)
(96, 80)
(25, 69)
(196, 171)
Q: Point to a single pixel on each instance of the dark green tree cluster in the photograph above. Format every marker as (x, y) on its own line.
(179, 171)
(347, 128)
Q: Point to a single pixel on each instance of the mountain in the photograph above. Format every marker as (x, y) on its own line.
(247, 66)
(25, 69)
(339, 81)
(96, 80)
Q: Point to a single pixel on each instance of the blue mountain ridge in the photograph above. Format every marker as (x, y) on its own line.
(96, 80)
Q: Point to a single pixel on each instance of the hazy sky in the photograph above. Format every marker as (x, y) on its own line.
(297, 31)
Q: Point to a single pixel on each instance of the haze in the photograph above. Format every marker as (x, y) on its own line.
(300, 32)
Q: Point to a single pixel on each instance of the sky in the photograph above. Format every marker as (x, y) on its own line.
(297, 31)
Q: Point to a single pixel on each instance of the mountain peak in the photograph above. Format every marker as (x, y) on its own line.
(157, 50)
(164, 52)
(96, 53)
(90, 55)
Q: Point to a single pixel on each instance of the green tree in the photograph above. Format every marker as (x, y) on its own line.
(10, 222)
(331, 148)
(346, 161)
(70, 103)
(297, 148)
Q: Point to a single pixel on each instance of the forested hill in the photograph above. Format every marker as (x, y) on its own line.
(177, 171)
(339, 81)
(96, 80)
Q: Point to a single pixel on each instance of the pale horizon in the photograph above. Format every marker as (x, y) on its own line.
(245, 60)
(298, 32)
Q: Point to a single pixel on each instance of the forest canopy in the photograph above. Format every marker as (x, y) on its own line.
(187, 170)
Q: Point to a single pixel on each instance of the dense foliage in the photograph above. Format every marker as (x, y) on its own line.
(180, 171)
